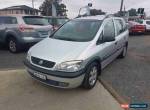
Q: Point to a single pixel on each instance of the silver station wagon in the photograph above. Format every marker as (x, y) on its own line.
(76, 53)
(19, 31)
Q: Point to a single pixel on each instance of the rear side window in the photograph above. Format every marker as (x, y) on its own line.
(109, 28)
(8, 20)
(148, 22)
(35, 20)
(119, 26)
(2, 20)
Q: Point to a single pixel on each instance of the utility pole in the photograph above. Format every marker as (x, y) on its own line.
(121, 7)
(33, 7)
(33, 4)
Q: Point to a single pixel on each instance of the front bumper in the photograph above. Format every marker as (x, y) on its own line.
(55, 80)
(137, 31)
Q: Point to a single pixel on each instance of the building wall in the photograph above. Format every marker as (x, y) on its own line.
(29, 12)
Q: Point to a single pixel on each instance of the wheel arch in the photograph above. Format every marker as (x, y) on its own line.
(97, 60)
(8, 36)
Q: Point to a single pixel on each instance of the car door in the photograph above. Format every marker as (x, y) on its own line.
(107, 49)
(2, 29)
(121, 34)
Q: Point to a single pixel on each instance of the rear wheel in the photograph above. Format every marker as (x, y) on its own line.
(91, 76)
(13, 45)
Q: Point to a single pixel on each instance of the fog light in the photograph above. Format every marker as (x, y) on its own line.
(63, 84)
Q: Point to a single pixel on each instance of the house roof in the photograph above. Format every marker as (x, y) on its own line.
(24, 7)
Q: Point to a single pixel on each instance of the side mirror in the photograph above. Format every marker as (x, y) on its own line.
(107, 37)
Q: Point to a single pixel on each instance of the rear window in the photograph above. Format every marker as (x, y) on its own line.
(148, 22)
(61, 21)
(2, 20)
(35, 20)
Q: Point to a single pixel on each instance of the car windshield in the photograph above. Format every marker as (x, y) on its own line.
(78, 30)
(35, 20)
(61, 21)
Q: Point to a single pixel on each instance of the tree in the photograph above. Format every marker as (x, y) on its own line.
(46, 8)
(96, 12)
(61, 9)
(132, 12)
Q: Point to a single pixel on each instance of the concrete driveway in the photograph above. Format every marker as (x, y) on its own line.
(18, 91)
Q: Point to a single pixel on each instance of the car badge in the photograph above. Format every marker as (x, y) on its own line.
(40, 62)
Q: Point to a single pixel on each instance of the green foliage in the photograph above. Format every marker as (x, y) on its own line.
(132, 12)
(61, 9)
(96, 12)
(46, 8)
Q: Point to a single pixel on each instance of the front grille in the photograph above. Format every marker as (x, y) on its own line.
(43, 63)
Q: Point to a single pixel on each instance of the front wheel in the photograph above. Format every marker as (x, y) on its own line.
(91, 76)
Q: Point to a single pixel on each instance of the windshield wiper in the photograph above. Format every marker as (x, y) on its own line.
(67, 39)
(39, 24)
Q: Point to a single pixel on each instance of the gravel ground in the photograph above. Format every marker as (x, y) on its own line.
(130, 77)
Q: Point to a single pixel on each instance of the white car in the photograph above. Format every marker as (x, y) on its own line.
(147, 24)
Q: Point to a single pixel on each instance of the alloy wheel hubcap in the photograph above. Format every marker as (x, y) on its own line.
(12, 46)
(93, 76)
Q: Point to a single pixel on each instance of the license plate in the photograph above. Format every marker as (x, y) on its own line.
(41, 76)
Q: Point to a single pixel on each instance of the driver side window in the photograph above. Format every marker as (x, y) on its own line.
(108, 32)
(109, 29)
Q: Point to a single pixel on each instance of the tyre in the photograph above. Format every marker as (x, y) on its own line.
(13, 45)
(124, 52)
(91, 76)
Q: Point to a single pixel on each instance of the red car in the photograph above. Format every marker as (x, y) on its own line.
(135, 27)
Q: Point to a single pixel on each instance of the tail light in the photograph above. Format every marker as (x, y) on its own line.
(139, 26)
(24, 28)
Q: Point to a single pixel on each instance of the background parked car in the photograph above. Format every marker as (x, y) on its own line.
(56, 22)
(18, 31)
(135, 27)
(147, 24)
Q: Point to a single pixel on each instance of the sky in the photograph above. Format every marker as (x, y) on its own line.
(73, 6)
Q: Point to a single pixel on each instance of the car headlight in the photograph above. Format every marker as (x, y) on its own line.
(70, 66)
(28, 56)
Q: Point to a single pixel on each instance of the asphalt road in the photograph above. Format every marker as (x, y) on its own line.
(130, 77)
(11, 61)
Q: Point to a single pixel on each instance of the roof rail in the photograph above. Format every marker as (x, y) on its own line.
(109, 15)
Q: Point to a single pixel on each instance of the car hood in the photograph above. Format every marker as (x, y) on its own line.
(58, 50)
